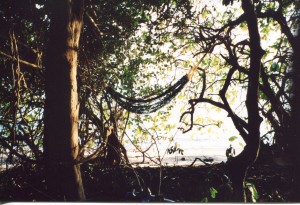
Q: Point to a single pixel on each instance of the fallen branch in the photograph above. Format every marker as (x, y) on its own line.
(204, 162)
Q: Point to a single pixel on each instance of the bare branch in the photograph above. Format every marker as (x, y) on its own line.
(20, 60)
(95, 26)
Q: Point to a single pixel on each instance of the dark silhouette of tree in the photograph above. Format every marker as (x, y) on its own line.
(268, 85)
(251, 150)
(294, 140)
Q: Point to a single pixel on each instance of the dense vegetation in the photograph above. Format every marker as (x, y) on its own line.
(79, 78)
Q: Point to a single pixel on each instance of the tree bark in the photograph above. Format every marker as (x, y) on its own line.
(239, 165)
(63, 176)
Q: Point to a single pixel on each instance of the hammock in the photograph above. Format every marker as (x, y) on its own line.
(149, 105)
(144, 106)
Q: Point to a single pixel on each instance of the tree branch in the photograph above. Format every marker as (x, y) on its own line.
(278, 16)
(20, 60)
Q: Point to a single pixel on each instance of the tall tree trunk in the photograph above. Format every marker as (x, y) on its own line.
(239, 165)
(63, 176)
(294, 141)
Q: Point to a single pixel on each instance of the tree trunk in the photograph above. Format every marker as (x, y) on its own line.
(238, 167)
(63, 176)
(294, 141)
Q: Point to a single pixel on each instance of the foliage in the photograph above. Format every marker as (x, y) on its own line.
(224, 74)
(218, 186)
(213, 192)
(253, 192)
(106, 52)
(174, 149)
(232, 138)
(140, 48)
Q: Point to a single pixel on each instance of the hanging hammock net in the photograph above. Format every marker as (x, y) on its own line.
(148, 105)
(152, 104)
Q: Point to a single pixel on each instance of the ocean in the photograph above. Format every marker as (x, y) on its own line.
(213, 150)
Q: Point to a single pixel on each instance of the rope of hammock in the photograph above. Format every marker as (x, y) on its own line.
(152, 104)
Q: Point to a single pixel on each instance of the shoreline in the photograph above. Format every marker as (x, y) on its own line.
(179, 160)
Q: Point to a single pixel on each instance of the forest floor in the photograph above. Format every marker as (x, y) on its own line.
(180, 184)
